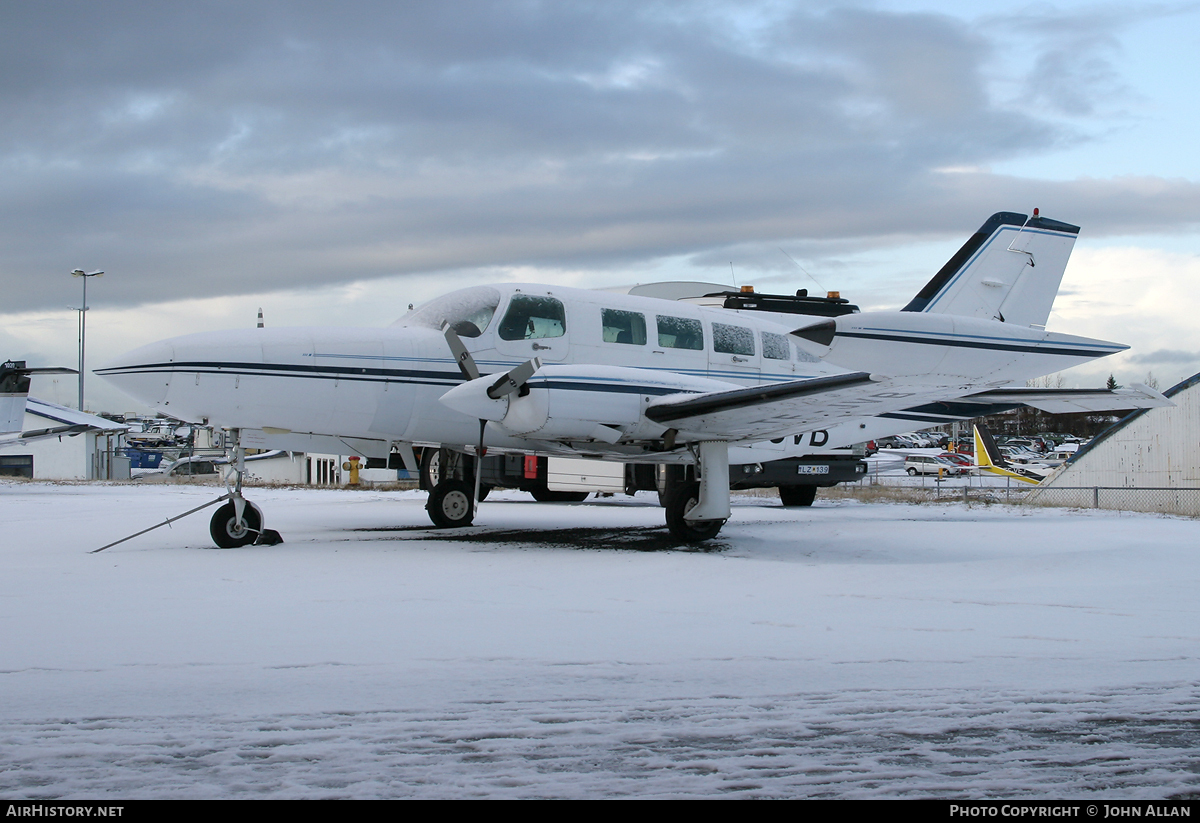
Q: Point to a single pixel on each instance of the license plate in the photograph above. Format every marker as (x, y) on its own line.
(813, 470)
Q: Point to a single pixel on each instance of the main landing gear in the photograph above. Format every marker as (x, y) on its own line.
(450, 478)
(696, 511)
(451, 504)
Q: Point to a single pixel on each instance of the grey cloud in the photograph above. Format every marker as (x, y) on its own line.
(1166, 356)
(274, 145)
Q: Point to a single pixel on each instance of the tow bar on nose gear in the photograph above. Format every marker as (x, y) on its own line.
(238, 523)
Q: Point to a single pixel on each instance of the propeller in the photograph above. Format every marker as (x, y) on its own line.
(509, 382)
(466, 363)
(514, 379)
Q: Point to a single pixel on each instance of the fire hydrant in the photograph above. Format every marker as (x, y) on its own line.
(352, 466)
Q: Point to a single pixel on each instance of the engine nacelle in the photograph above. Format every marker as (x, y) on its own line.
(577, 402)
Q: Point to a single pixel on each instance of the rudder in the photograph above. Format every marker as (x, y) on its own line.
(1009, 270)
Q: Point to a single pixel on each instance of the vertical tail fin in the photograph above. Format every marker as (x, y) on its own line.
(1009, 270)
(989, 459)
(14, 388)
(987, 454)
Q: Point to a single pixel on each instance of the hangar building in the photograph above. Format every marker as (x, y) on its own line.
(1148, 461)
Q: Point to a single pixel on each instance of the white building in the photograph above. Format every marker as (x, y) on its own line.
(1149, 461)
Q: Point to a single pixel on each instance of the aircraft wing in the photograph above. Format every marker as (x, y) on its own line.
(762, 412)
(765, 412)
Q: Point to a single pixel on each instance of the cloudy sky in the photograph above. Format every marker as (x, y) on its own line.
(332, 165)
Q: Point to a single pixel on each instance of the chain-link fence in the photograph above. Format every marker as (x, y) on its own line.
(1161, 499)
(986, 489)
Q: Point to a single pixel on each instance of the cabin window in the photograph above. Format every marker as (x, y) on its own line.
(468, 312)
(680, 333)
(732, 339)
(623, 326)
(530, 317)
(804, 357)
(775, 347)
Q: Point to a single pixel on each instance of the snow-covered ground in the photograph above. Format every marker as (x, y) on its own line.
(847, 650)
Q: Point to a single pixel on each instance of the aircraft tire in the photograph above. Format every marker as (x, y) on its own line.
(797, 495)
(451, 504)
(224, 528)
(430, 467)
(680, 500)
(431, 472)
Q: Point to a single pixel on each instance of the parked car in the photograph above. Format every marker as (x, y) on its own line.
(916, 464)
(958, 459)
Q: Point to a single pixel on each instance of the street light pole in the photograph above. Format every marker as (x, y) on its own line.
(83, 324)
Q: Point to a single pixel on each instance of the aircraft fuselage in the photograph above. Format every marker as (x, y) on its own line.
(605, 357)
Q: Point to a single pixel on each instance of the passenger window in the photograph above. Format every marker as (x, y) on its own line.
(804, 357)
(532, 318)
(680, 333)
(623, 326)
(732, 339)
(775, 347)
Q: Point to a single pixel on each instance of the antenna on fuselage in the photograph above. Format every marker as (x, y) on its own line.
(806, 271)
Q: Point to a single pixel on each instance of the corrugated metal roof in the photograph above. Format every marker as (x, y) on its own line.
(1129, 418)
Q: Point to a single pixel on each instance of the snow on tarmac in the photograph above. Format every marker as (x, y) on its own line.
(847, 650)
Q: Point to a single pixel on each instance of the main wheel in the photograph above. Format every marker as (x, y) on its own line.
(543, 495)
(451, 504)
(797, 495)
(227, 533)
(431, 468)
(681, 499)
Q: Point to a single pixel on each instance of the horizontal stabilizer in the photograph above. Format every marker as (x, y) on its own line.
(1063, 401)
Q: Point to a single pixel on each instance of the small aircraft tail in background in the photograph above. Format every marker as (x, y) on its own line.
(1009, 270)
(14, 390)
(989, 459)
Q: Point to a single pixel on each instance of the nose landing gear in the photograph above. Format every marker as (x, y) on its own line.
(238, 523)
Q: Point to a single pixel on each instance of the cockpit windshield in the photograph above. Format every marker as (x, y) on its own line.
(468, 311)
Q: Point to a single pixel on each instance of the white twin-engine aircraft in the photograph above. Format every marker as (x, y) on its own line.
(558, 371)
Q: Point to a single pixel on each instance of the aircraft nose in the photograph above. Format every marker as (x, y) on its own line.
(144, 373)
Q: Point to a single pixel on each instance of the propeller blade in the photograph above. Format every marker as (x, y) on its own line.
(466, 363)
(514, 379)
(479, 462)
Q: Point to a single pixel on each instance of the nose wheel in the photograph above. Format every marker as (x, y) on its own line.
(239, 522)
(230, 533)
